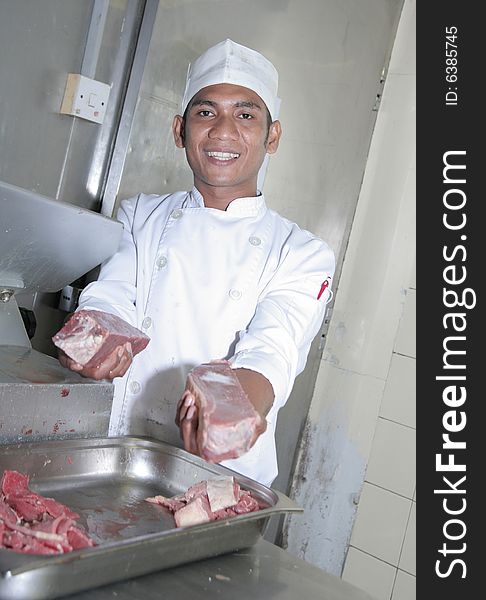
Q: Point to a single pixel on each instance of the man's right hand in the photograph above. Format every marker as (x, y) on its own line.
(116, 364)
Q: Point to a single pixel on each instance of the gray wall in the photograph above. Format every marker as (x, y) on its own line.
(41, 41)
(330, 55)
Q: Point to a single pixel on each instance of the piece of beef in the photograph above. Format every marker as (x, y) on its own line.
(34, 546)
(90, 336)
(222, 493)
(8, 516)
(33, 524)
(227, 419)
(31, 506)
(27, 507)
(246, 504)
(27, 504)
(78, 538)
(209, 500)
(14, 482)
(197, 511)
(56, 509)
(172, 504)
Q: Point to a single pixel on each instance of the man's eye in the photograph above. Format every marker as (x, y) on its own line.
(246, 116)
(205, 113)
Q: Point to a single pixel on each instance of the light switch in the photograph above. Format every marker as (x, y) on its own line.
(85, 98)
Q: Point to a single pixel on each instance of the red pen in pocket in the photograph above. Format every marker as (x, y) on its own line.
(324, 287)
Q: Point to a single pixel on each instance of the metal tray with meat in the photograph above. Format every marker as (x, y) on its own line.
(107, 481)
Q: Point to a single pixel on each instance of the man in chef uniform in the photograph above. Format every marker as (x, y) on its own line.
(213, 273)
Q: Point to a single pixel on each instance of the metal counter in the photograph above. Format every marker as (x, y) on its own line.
(261, 572)
(41, 400)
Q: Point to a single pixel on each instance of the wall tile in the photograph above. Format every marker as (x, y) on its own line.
(368, 573)
(405, 587)
(399, 398)
(392, 460)
(406, 342)
(408, 556)
(380, 523)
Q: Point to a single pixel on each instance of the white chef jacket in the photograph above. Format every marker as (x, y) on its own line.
(205, 284)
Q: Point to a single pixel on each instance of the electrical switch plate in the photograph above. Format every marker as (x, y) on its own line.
(85, 98)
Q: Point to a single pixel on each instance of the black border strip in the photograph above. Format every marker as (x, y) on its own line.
(450, 128)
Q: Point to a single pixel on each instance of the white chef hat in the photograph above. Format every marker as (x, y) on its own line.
(229, 62)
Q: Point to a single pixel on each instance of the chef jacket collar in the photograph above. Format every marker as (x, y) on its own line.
(249, 206)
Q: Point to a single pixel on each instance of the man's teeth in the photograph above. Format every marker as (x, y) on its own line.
(223, 155)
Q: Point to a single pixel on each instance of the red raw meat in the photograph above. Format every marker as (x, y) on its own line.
(33, 524)
(78, 539)
(227, 419)
(27, 504)
(56, 509)
(207, 501)
(14, 482)
(90, 336)
(7, 516)
(28, 507)
(34, 546)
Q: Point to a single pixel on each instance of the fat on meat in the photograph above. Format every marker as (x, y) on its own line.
(227, 419)
(33, 524)
(90, 336)
(209, 500)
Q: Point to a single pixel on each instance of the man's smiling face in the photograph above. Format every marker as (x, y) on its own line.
(226, 135)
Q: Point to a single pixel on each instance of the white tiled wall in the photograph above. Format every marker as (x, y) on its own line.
(381, 555)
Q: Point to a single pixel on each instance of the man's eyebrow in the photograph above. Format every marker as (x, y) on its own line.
(247, 104)
(203, 101)
(239, 104)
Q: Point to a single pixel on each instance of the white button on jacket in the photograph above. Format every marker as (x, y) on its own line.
(208, 265)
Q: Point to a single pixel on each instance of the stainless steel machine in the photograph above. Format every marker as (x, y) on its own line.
(45, 245)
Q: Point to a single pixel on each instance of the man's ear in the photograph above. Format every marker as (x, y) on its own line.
(178, 131)
(273, 138)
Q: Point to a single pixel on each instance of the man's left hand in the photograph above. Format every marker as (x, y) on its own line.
(259, 392)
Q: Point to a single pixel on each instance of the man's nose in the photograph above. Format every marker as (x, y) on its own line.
(224, 128)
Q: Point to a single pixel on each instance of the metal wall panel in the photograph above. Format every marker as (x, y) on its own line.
(41, 41)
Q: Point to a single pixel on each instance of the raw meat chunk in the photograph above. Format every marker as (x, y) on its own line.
(195, 512)
(14, 482)
(227, 419)
(90, 336)
(222, 493)
(33, 524)
(27, 504)
(207, 501)
(77, 538)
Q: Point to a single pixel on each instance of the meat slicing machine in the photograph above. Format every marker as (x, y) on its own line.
(45, 245)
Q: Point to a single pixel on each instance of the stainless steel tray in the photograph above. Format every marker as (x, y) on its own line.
(106, 481)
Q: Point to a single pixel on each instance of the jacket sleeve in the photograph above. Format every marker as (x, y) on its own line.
(115, 290)
(288, 317)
